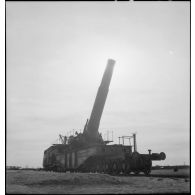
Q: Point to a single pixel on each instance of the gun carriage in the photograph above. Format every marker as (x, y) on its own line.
(88, 152)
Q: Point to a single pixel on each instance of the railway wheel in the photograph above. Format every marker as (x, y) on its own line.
(147, 165)
(92, 169)
(136, 172)
(147, 171)
(124, 167)
(114, 168)
(127, 168)
(119, 167)
(107, 167)
(103, 167)
(97, 168)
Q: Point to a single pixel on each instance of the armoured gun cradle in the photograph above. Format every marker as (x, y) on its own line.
(88, 152)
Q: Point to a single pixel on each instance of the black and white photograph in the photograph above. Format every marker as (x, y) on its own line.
(98, 97)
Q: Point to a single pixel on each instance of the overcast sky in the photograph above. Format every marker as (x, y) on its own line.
(56, 56)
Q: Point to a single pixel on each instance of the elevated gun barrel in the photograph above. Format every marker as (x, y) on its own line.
(94, 121)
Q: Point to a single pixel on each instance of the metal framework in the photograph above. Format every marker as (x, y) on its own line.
(129, 138)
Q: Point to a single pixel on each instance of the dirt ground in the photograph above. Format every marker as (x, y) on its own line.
(41, 182)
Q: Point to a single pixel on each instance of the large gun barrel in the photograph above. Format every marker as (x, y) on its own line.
(94, 121)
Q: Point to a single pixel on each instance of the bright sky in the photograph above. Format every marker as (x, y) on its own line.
(56, 56)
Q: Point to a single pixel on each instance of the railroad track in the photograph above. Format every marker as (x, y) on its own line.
(152, 175)
(142, 175)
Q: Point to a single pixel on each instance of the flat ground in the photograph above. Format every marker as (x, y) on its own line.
(26, 182)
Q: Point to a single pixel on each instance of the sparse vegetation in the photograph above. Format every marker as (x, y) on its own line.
(28, 181)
